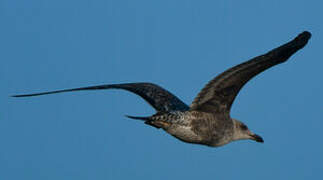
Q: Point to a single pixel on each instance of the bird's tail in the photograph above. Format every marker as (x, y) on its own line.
(147, 118)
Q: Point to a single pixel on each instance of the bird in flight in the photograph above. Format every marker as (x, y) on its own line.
(207, 120)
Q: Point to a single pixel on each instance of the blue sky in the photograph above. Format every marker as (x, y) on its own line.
(179, 44)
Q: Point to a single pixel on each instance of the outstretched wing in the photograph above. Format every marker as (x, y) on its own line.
(219, 94)
(159, 98)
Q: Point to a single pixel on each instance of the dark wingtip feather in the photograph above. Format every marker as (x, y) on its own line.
(282, 53)
(37, 94)
(303, 38)
(25, 95)
(305, 34)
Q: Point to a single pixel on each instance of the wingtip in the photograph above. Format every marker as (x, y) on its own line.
(298, 42)
(304, 36)
(25, 95)
(15, 96)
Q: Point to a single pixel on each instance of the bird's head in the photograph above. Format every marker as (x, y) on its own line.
(241, 131)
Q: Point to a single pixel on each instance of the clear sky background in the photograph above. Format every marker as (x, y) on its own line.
(178, 44)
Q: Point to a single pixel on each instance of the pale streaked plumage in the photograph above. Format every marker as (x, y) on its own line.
(207, 121)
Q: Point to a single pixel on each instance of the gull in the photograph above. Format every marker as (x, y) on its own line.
(207, 120)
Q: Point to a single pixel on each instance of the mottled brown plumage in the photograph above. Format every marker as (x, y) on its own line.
(207, 121)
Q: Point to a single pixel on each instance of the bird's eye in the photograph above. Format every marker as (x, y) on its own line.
(243, 127)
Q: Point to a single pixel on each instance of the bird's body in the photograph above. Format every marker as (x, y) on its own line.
(191, 126)
(207, 120)
(195, 127)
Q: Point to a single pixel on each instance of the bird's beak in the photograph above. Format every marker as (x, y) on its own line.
(256, 138)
